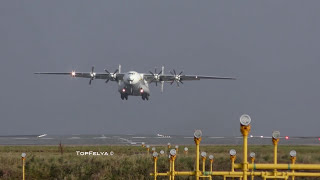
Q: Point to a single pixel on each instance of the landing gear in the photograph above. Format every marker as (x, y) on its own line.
(145, 97)
(124, 96)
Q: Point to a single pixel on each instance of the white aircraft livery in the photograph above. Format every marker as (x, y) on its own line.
(133, 83)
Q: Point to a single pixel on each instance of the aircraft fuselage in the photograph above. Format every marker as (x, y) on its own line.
(133, 84)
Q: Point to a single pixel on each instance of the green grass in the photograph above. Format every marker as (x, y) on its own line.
(128, 162)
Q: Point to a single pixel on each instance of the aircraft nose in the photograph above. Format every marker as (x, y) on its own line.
(130, 78)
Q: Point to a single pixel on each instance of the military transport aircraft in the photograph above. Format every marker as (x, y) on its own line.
(133, 83)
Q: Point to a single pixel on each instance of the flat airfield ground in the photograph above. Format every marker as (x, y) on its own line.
(130, 162)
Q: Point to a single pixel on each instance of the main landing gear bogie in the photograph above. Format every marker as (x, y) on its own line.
(124, 96)
(145, 97)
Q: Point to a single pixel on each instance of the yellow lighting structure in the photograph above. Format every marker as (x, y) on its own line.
(177, 148)
(275, 141)
(155, 159)
(186, 150)
(197, 139)
(143, 144)
(169, 145)
(245, 128)
(23, 157)
(211, 162)
(153, 149)
(162, 152)
(148, 148)
(170, 168)
(233, 157)
(252, 157)
(173, 154)
(204, 157)
(293, 158)
(267, 171)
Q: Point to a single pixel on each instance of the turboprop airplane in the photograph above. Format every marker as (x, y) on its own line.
(133, 83)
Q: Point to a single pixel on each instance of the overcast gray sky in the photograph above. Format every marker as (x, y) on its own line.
(272, 47)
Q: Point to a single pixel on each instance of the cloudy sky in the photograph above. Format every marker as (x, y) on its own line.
(271, 47)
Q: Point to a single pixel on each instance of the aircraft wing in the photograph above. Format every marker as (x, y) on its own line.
(191, 77)
(106, 76)
(170, 78)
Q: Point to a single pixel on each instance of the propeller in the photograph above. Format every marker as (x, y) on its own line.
(92, 74)
(156, 76)
(112, 76)
(177, 77)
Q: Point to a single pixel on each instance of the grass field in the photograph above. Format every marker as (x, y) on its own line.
(128, 162)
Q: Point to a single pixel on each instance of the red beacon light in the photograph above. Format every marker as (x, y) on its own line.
(319, 139)
(123, 90)
(141, 91)
(287, 137)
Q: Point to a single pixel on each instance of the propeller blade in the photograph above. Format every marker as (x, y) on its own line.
(90, 82)
(106, 71)
(151, 73)
(155, 70)
(181, 82)
(160, 72)
(172, 82)
(171, 73)
(181, 72)
(156, 83)
(107, 80)
(92, 69)
(178, 83)
(162, 84)
(174, 71)
(116, 71)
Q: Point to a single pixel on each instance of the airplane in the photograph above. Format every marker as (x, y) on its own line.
(42, 135)
(133, 83)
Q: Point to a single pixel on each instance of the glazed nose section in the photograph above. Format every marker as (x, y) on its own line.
(130, 79)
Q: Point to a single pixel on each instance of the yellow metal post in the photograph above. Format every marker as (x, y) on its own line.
(170, 168)
(275, 153)
(173, 158)
(245, 131)
(204, 164)
(232, 158)
(197, 142)
(23, 168)
(252, 162)
(186, 151)
(293, 161)
(211, 164)
(155, 168)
